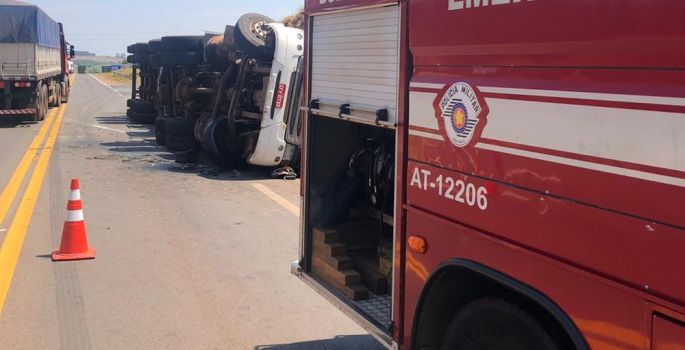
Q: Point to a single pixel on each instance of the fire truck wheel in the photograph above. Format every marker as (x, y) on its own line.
(251, 34)
(143, 118)
(495, 324)
(179, 143)
(181, 43)
(183, 58)
(180, 126)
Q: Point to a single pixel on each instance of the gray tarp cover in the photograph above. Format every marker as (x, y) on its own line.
(25, 23)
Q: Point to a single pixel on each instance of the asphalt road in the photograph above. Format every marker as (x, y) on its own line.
(187, 257)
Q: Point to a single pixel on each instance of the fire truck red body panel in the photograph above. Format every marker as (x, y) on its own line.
(544, 140)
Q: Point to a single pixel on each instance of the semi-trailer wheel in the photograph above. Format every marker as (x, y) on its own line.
(181, 43)
(160, 130)
(58, 95)
(156, 60)
(180, 126)
(44, 101)
(179, 143)
(143, 118)
(139, 48)
(181, 58)
(65, 94)
(139, 58)
(251, 34)
(495, 324)
(155, 45)
(142, 106)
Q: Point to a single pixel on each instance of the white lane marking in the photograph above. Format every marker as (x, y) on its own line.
(107, 85)
(658, 100)
(586, 165)
(628, 135)
(421, 112)
(106, 128)
(426, 85)
(292, 208)
(426, 135)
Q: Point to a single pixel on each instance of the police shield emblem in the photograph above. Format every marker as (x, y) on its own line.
(460, 109)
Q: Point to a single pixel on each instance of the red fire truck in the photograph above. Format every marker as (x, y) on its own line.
(497, 174)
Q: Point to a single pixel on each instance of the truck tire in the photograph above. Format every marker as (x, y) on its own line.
(181, 43)
(160, 130)
(142, 106)
(179, 143)
(43, 102)
(140, 58)
(143, 118)
(155, 45)
(156, 60)
(495, 324)
(129, 59)
(180, 126)
(140, 48)
(65, 94)
(58, 96)
(250, 35)
(182, 58)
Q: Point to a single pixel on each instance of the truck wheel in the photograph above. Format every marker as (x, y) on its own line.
(140, 48)
(180, 126)
(495, 324)
(140, 58)
(182, 58)
(156, 60)
(160, 133)
(179, 143)
(44, 101)
(181, 43)
(143, 118)
(65, 95)
(58, 96)
(142, 106)
(155, 45)
(251, 34)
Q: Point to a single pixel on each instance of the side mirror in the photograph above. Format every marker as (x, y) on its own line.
(72, 53)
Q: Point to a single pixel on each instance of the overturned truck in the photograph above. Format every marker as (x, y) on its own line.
(235, 95)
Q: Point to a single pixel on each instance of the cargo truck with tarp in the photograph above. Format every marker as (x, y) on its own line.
(33, 61)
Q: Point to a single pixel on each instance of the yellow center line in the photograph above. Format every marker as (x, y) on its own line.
(12, 187)
(292, 208)
(14, 240)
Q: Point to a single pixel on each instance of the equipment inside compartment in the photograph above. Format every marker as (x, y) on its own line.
(351, 185)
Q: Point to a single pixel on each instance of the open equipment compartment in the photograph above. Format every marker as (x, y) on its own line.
(349, 184)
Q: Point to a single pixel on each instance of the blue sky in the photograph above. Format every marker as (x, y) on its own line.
(107, 27)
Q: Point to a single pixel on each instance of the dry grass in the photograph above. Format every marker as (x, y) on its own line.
(295, 20)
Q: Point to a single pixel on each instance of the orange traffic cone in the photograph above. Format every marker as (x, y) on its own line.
(74, 244)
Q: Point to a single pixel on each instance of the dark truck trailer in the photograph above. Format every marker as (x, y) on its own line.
(33, 61)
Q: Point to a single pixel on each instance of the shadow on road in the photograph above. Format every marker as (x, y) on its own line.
(341, 342)
(12, 122)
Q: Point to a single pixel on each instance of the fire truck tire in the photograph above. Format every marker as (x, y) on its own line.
(179, 143)
(180, 126)
(142, 106)
(143, 118)
(139, 48)
(495, 324)
(250, 36)
(182, 58)
(181, 43)
(155, 45)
